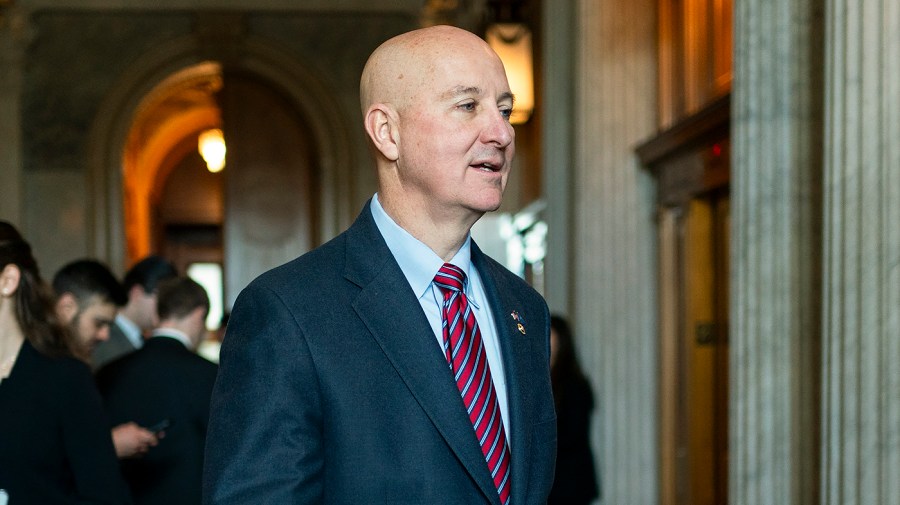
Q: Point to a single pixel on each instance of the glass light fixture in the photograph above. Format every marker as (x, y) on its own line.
(512, 42)
(211, 145)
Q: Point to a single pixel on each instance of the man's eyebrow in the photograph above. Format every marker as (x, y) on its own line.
(461, 90)
(476, 91)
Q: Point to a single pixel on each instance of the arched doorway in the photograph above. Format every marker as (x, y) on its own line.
(318, 142)
(163, 180)
(257, 213)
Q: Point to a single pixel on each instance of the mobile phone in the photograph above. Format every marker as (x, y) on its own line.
(160, 426)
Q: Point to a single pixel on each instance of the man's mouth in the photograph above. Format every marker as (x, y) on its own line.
(487, 166)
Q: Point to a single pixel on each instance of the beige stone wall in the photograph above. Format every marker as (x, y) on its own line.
(13, 40)
(605, 204)
(861, 334)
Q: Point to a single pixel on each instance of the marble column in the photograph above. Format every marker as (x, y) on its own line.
(776, 253)
(861, 334)
(13, 32)
(612, 239)
(557, 108)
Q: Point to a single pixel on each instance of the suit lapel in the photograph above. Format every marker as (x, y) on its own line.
(517, 353)
(390, 310)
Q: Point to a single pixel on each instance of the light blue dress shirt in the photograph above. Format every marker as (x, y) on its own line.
(420, 264)
(131, 331)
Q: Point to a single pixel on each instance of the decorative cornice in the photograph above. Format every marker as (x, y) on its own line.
(706, 126)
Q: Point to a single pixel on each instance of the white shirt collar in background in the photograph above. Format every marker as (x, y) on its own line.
(173, 333)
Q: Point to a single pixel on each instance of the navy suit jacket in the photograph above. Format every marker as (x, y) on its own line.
(115, 347)
(162, 380)
(332, 388)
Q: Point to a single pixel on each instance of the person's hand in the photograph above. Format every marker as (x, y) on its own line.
(131, 440)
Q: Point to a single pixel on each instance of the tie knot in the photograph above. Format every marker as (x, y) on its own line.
(450, 277)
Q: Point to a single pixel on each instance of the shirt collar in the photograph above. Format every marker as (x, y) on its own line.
(417, 261)
(130, 330)
(173, 333)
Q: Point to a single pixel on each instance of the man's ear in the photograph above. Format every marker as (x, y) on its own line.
(135, 291)
(196, 324)
(9, 279)
(66, 307)
(199, 314)
(382, 129)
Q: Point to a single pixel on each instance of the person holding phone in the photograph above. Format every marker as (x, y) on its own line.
(166, 387)
(87, 295)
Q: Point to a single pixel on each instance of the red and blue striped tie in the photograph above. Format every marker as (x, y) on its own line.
(467, 359)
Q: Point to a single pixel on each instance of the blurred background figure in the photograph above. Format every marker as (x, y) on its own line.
(87, 297)
(55, 445)
(138, 315)
(209, 348)
(576, 481)
(166, 382)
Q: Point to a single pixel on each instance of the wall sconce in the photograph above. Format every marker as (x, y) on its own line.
(211, 145)
(512, 42)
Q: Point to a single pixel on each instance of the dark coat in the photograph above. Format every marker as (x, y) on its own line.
(332, 388)
(55, 443)
(576, 480)
(163, 380)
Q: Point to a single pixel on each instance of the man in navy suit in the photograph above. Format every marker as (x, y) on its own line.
(336, 380)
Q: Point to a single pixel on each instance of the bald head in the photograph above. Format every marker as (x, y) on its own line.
(436, 104)
(398, 68)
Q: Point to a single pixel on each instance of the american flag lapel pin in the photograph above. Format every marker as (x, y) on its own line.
(519, 320)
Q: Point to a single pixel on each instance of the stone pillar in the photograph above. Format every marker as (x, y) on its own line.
(612, 241)
(13, 34)
(861, 335)
(776, 253)
(557, 110)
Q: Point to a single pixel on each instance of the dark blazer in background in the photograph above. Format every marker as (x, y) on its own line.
(333, 389)
(576, 479)
(55, 443)
(115, 347)
(162, 380)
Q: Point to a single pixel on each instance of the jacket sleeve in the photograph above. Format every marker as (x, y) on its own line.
(88, 441)
(264, 443)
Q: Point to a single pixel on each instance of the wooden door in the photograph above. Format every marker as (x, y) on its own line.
(270, 181)
(705, 341)
(694, 251)
(694, 352)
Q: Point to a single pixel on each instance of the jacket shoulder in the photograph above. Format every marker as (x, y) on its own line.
(510, 281)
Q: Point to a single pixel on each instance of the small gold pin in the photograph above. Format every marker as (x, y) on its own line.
(518, 319)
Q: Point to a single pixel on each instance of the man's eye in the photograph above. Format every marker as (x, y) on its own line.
(468, 106)
(506, 113)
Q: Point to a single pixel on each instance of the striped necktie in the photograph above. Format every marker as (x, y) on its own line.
(468, 361)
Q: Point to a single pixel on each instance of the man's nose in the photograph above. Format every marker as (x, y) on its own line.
(103, 334)
(499, 131)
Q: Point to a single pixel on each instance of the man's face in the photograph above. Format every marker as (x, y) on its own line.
(456, 142)
(90, 325)
(145, 303)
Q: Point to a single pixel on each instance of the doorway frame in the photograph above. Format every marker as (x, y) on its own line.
(307, 93)
(680, 159)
